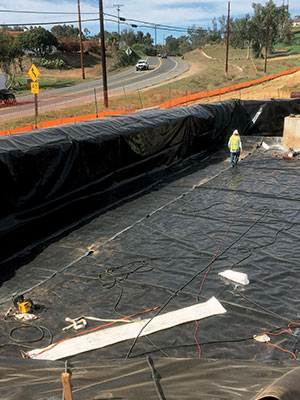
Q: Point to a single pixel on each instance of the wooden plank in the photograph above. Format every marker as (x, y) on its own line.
(65, 377)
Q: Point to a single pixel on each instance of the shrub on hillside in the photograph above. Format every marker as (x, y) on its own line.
(121, 59)
(54, 63)
(67, 45)
(92, 46)
(139, 48)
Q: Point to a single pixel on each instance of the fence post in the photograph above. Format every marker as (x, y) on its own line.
(140, 99)
(96, 105)
(126, 107)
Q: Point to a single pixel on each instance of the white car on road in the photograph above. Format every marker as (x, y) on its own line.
(141, 65)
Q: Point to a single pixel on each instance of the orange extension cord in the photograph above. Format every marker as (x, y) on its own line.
(289, 330)
(25, 355)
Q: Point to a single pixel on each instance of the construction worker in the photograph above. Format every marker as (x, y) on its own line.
(235, 147)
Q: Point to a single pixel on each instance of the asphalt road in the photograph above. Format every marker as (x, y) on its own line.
(126, 81)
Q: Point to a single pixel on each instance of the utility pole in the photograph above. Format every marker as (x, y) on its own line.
(118, 9)
(267, 38)
(80, 40)
(104, 76)
(155, 27)
(227, 40)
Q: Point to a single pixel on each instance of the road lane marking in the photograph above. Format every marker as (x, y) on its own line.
(100, 87)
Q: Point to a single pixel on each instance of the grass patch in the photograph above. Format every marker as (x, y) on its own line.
(293, 48)
(23, 87)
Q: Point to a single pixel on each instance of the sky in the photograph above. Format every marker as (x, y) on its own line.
(173, 13)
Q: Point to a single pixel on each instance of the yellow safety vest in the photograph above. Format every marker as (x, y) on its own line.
(234, 143)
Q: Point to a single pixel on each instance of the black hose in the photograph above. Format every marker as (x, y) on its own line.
(156, 379)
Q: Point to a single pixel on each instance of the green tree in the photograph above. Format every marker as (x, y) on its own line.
(148, 39)
(285, 25)
(279, 26)
(197, 36)
(184, 44)
(38, 40)
(223, 25)
(87, 34)
(65, 31)
(240, 32)
(128, 36)
(172, 46)
(214, 33)
(140, 37)
(111, 40)
(10, 53)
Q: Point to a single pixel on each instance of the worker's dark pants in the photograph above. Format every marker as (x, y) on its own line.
(234, 157)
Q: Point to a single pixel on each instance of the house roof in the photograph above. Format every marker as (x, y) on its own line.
(14, 33)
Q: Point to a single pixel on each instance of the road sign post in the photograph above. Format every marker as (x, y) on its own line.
(34, 73)
(35, 110)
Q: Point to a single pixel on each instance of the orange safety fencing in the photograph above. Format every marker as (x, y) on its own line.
(228, 89)
(63, 121)
(167, 104)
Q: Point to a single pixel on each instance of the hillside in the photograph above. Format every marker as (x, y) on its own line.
(204, 61)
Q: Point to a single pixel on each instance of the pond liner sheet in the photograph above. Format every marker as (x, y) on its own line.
(178, 379)
(54, 178)
(166, 248)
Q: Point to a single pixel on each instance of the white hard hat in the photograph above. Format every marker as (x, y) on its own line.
(236, 132)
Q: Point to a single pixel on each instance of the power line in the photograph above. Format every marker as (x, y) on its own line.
(144, 26)
(43, 12)
(148, 24)
(89, 20)
(50, 23)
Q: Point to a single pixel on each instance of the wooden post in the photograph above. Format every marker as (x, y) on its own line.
(96, 104)
(140, 99)
(36, 113)
(103, 56)
(267, 38)
(65, 377)
(80, 40)
(126, 106)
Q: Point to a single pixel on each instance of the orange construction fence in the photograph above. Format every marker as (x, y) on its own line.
(167, 104)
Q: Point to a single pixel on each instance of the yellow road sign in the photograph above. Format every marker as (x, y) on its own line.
(33, 72)
(34, 87)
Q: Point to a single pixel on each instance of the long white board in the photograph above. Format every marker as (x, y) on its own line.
(109, 336)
